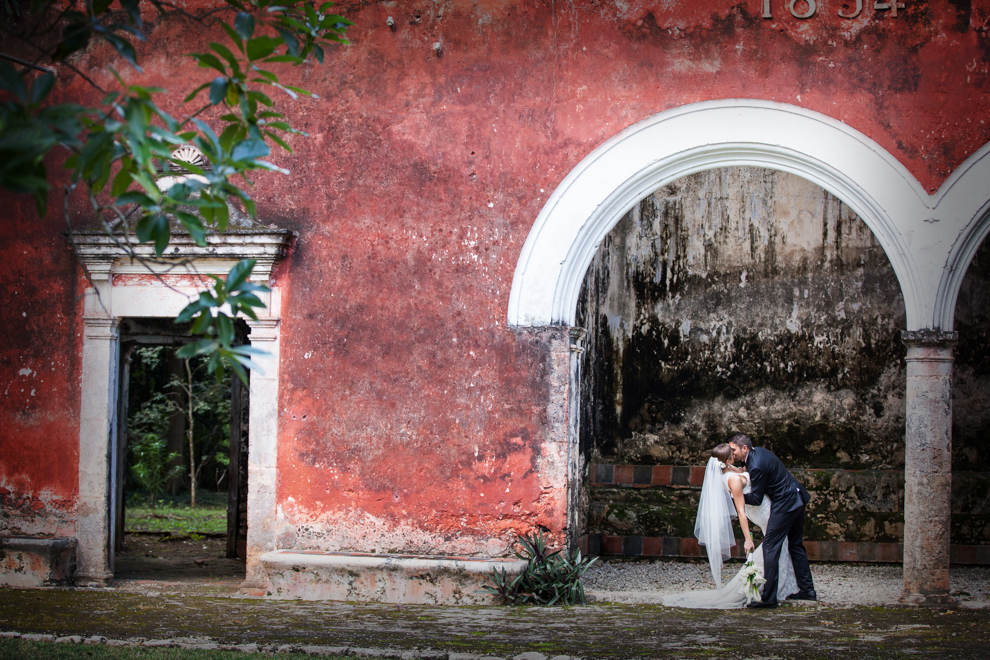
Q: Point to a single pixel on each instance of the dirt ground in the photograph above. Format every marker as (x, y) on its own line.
(150, 560)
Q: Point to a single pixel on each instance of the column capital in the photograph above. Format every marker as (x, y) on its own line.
(99, 268)
(100, 327)
(929, 338)
(263, 329)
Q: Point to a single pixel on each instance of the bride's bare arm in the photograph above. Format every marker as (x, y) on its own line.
(736, 488)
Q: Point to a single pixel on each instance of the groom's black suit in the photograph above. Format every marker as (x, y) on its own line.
(788, 499)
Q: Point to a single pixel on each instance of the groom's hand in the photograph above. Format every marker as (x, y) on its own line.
(749, 546)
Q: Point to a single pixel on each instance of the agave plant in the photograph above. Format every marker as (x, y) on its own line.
(550, 577)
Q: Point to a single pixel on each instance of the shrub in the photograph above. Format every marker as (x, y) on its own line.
(151, 466)
(550, 578)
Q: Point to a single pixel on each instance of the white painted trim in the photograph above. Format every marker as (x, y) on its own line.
(916, 236)
(152, 299)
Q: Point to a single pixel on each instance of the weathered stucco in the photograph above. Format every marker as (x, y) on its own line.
(752, 300)
(410, 418)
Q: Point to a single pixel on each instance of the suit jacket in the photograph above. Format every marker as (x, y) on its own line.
(769, 477)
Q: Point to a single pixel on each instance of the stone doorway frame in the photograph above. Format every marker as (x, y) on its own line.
(929, 240)
(120, 289)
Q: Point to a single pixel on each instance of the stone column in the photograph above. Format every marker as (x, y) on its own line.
(262, 450)
(577, 497)
(97, 413)
(553, 343)
(928, 466)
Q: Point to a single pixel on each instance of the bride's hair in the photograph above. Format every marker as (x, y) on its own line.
(723, 452)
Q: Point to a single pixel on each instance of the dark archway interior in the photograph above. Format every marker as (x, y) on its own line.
(747, 299)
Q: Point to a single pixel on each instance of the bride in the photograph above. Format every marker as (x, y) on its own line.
(723, 490)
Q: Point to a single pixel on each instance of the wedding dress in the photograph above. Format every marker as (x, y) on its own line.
(733, 594)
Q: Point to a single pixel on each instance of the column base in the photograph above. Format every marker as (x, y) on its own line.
(102, 580)
(934, 601)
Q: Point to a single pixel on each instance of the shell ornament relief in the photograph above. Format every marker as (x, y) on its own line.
(187, 153)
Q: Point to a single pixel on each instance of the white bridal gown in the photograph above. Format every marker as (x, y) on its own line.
(733, 594)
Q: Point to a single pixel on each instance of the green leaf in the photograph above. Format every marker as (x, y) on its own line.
(41, 87)
(135, 197)
(250, 149)
(121, 182)
(11, 81)
(154, 227)
(284, 58)
(231, 134)
(195, 348)
(218, 90)
(240, 272)
(222, 216)
(244, 25)
(259, 97)
(260, 47)
(225, 53)
(194, 226)
(225, 329)
(236, 38)
(279, 141)
(290, 41)
(193, 94)
(210, 60)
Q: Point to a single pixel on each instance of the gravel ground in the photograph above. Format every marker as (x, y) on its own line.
(838, 584)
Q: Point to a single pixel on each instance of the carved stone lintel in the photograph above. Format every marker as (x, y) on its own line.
(102, 255)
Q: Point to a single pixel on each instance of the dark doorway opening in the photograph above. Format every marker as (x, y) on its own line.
(175, 519)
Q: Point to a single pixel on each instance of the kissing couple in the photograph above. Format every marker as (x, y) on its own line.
(762, 491)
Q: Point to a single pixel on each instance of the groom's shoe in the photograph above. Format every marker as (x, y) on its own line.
(804, 595)
(754, 605)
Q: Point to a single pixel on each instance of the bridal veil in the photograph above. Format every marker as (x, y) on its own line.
(713, 526)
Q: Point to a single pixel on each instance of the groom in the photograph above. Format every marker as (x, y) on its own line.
(788, 500)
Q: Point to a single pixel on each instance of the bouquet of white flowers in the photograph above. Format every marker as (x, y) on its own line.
(754, 580)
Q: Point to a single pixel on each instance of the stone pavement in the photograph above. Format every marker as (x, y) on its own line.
(471, 633)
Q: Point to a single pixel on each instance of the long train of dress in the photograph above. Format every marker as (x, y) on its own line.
(733, 594)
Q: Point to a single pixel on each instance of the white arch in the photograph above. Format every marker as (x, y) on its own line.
(964, 195)
(918, 232)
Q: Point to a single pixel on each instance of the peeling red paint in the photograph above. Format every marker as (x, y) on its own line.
(38, 372)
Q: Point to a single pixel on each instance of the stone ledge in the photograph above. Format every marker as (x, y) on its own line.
(838, 551)
(402, 579)
(28, 561)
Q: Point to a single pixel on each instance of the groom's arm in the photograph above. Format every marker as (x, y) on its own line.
(759, 484)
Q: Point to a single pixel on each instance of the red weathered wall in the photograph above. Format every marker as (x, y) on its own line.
(411, 417)
(39, 349)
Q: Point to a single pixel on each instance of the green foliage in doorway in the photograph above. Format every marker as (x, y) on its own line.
(151, 465)
(153, 405)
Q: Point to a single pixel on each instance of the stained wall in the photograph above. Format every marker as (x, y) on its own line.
(411, 418)
(745, 299)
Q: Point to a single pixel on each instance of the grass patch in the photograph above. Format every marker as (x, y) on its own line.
(24, 650)
(174, 515)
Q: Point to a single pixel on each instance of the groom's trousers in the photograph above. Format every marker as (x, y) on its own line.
(786, 526)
